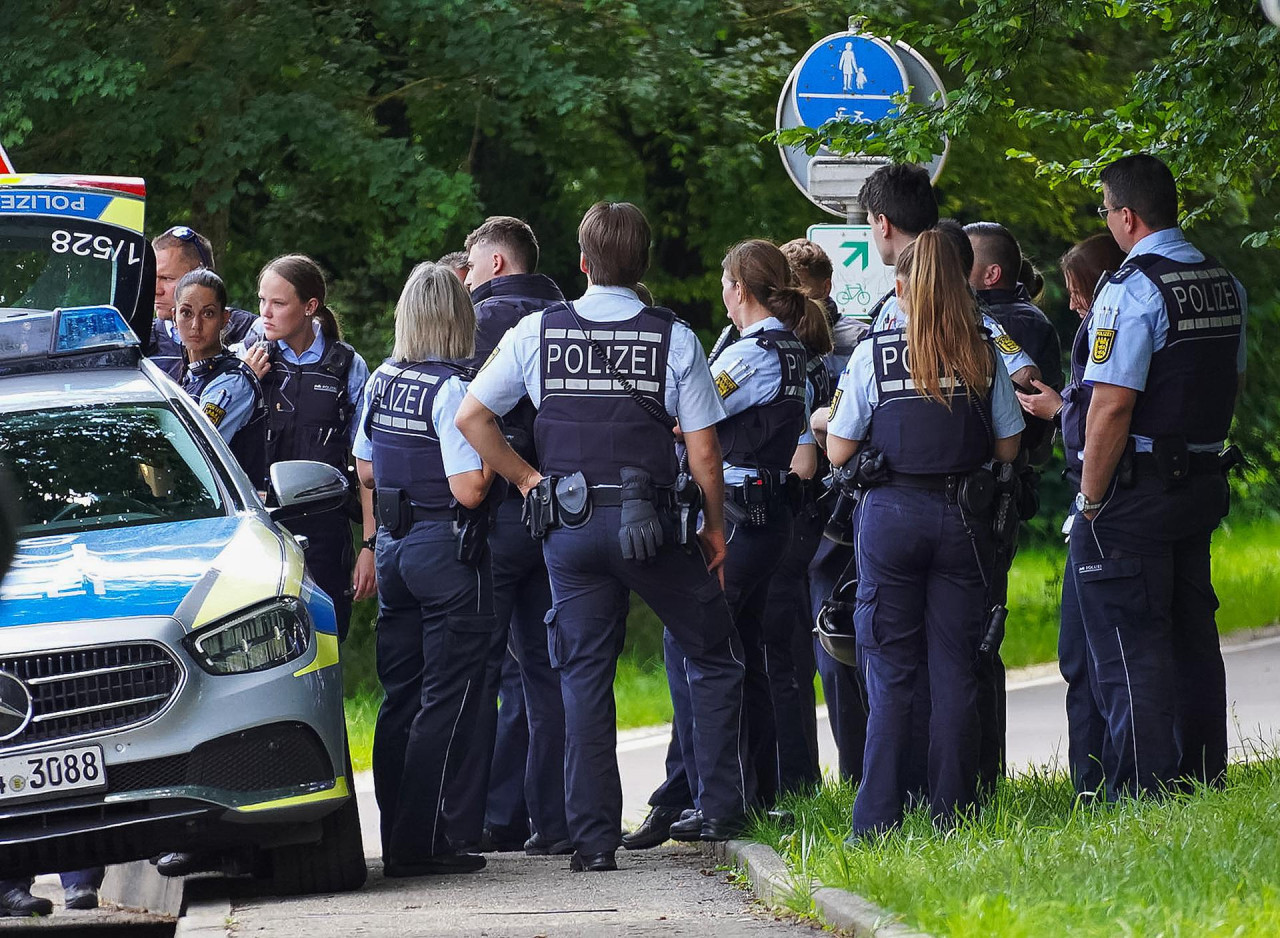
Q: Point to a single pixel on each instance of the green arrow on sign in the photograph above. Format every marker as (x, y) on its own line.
(860, 248)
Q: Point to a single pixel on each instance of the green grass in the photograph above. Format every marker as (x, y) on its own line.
(1035, 863)
(1246, 574)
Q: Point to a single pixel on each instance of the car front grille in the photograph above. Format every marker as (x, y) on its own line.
(91, 690)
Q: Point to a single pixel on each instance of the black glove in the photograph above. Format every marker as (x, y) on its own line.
(640, 533)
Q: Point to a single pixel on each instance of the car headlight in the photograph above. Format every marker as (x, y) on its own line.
(253, 639)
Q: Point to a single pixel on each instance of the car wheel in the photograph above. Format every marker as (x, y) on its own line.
(335, 864)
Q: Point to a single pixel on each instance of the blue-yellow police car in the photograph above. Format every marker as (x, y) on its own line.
(169, 674)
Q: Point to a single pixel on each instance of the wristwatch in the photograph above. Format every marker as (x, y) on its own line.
(1083, 504)
(370, 541)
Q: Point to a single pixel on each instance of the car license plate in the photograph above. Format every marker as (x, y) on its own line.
(43, 774)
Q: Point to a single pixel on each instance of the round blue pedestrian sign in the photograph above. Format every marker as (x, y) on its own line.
(848, 76)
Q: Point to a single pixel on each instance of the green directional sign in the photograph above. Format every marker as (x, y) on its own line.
(860, 251)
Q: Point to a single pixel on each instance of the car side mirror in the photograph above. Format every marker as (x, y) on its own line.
(303, 487)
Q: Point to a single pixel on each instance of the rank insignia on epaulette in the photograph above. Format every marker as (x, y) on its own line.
(835, 402)
(214, 413)
(1103, 342)
(725, 385)
(1006, 345)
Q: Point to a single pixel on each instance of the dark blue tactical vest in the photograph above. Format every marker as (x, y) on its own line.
(1075, 400)
(917, 434)
(764, 436)
(406, 447)
(1191, 384)
(308, 411)
(249, 444)
(819, 379)
(587, 419)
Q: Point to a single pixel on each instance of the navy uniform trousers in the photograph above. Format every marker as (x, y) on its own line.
(921, 603)
(506, 813)
(789, 655)
(841, 684)
(89, 877)
(1147, 602)
(1086, 729)
(521, 598)
(435, 623)
(590, 584)
(754, 556)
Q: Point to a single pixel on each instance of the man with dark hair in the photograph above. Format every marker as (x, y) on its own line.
(899, 203)
(180, 250)
(1162, 365)
(612, 380)
(484, 808)
(502, 245)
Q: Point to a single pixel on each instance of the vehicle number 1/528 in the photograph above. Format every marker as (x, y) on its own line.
(47, 773)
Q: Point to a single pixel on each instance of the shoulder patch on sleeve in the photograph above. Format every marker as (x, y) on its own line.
(214, 413)
(1104, 341)
(1006, 344)
(725, 385)
(835, 402)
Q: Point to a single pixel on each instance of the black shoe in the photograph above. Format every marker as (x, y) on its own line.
(81, 897)
(539, 846)
(654, 830)
(593, 862)
(19, 903)
(504, 840)
(723, 828)
(184, 864)
(439, 864)
(688, 828)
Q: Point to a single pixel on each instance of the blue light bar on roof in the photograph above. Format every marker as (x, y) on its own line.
(81, 328)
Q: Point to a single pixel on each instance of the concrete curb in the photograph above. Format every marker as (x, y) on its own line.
(205, 918)
(138, 885)
(772, 883)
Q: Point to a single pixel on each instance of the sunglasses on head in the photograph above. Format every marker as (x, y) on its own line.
(183, 233)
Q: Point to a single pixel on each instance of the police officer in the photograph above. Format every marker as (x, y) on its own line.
(761, 381)
(180, 250)
(1083, 267)
(610, 377)
(1166, 347)
(502, 260)
(225, 388)
(314, 385)
(937, 402)
(435, 593)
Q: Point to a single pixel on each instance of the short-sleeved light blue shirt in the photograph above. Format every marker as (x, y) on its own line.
(228, 402)
(514, 369)
(850, 417)
(357, 376)
(456, 452)
(753, 378)
(1134, 310)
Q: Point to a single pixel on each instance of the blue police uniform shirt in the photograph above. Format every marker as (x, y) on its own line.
(857, 396)
(513, 370)
(228, 403)
(892, 316)
(455, 451)
(754, 377)
(357, 376)
(1134, 311)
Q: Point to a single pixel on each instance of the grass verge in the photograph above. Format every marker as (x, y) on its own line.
(1035, 863)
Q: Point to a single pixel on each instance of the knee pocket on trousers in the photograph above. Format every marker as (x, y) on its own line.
(554, 651)
(865, 611)
(470, 632)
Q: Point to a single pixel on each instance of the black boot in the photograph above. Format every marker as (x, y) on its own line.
(19, 903)
(655, 830)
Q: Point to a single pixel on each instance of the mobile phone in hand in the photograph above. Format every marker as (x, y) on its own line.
(1033, 390)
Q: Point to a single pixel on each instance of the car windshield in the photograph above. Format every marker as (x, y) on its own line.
(106, 466)
(51, 263)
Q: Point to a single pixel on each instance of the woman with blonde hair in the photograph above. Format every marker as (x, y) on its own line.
(935, 399)
(435, 591)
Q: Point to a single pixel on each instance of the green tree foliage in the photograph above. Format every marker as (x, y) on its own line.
(375, 134)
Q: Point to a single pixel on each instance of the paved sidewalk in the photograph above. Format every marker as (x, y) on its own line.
(671, 891)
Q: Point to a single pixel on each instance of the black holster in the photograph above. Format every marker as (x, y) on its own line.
(689, 501)
(393, 511)
(539, 514)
